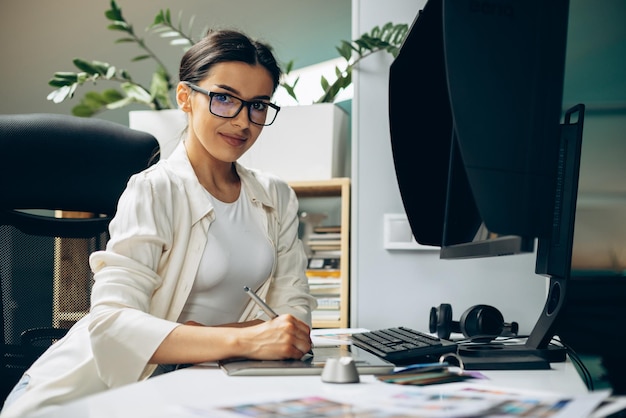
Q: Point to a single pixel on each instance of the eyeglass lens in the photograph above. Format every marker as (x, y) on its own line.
(228, 106)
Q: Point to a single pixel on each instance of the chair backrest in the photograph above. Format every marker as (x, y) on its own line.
(60, 180)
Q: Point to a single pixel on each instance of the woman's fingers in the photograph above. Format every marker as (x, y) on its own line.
(282, 337)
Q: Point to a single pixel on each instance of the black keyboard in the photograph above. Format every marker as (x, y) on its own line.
(403, 345)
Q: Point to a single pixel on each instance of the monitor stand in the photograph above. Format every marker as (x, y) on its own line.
(554, 255)
(501, 356)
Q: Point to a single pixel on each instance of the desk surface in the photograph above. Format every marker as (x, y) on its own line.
(201, 388)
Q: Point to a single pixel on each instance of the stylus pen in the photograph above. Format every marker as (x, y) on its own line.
(260, 302)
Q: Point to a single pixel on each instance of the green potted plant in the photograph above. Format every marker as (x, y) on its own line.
(159, 94)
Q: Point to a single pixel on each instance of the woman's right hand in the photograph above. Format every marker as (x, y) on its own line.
(284, 337)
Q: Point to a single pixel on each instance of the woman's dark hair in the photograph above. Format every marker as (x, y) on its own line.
(226, 46)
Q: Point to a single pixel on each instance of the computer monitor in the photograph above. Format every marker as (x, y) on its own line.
(478, 144)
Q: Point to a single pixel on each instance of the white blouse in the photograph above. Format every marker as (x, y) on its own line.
(237, 254)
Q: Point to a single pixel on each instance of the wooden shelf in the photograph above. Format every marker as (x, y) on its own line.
(339, 190)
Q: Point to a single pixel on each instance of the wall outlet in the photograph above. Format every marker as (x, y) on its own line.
(398, 235)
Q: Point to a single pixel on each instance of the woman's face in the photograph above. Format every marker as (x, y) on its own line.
(215, 138)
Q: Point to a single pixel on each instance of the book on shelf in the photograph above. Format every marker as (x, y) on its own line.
(326, 315)
(327, 229)
(326, 236)
(325, 291)
(323, 277)
(323, 274)
(328, 303)
(319, 285)
(324, 246)
(327, 254)
(323, 263)
(324, 281)
(324, 243)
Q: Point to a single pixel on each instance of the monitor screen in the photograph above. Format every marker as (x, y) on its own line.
(480, 153)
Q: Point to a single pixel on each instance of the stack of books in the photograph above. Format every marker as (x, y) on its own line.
(323, 271)
(325, 239)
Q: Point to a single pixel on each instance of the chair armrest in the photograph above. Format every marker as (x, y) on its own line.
(32, 336)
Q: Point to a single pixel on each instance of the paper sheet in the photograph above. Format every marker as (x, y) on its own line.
(333, 336)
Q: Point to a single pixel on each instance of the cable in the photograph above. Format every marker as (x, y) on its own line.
(584, 371)
(586, 375)
(482, 339)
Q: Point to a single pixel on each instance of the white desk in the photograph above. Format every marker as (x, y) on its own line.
(204, 387)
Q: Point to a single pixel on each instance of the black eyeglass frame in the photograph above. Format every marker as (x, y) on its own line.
(244, 103)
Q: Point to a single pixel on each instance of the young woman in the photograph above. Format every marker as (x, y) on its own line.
(190, 232)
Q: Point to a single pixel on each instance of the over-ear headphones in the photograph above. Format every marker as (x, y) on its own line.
(481, 323)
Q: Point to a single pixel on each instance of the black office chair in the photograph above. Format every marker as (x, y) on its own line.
(60, 180)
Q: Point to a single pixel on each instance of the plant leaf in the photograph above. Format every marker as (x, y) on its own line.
(325, 84)
(291, 88)
(345, 50)
(120, 26)
(141, 57)
(289, 67)
(92, 67)
(111, 95)
(59, 95)
(159, 18)
(137, 93)
(115, 13)
(59, 83)
(85, 66)
(124, 74)
(169, 34)
(180, 41)
(159, 90)
(63, 79)
(93, 99)
(124, 40)
(120, 103)
(83, 111)
(110, 73)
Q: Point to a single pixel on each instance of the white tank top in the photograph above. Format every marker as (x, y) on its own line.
(238, 253)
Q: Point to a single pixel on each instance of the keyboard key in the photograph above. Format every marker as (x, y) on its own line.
(403, 345)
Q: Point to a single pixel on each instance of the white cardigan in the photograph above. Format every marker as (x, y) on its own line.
(143, 279)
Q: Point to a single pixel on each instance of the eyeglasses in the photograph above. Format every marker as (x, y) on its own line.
(228, 106)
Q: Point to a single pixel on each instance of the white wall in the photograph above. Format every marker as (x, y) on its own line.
(399, 287)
